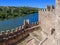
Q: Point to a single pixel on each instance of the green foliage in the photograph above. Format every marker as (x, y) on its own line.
(11, 12)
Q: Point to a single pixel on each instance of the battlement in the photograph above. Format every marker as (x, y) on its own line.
(17, 34)
(48, 9)
(46, 18)
(19, 28)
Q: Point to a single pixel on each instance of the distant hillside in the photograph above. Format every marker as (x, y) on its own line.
(11, 12)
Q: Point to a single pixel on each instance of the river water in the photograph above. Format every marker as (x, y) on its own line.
(16, 22)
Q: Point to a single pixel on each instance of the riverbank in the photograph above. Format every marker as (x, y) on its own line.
(12, 12)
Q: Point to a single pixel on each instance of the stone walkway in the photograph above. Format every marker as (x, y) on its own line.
(25, 41)
(31, 40)
(38, 38)
(50, 40)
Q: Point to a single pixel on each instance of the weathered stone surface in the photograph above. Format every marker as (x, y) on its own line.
(49, 20)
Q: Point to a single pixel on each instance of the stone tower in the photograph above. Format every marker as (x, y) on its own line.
(49, 20)
(46, 19)
(57, 21)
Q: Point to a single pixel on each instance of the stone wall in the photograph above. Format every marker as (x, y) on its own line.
(50, 20)
(16, 35)
(12, 37)
(58, 17)
(47, 20)
(57, 22)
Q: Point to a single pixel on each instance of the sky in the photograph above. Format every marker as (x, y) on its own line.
(30, 3)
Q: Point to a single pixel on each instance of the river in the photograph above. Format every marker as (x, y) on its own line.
(16, 22)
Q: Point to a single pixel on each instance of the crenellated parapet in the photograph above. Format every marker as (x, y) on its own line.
(47, 19)
(42, 10)
(48, 9)
(15, 35)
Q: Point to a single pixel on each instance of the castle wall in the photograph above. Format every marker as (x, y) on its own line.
(57, 25)
(58, 17)
(47, 20)
(16, 35)
(51, 20)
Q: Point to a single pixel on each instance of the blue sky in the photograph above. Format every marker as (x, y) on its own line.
(30, 3)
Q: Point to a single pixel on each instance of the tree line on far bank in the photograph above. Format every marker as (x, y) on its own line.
(12, 12)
